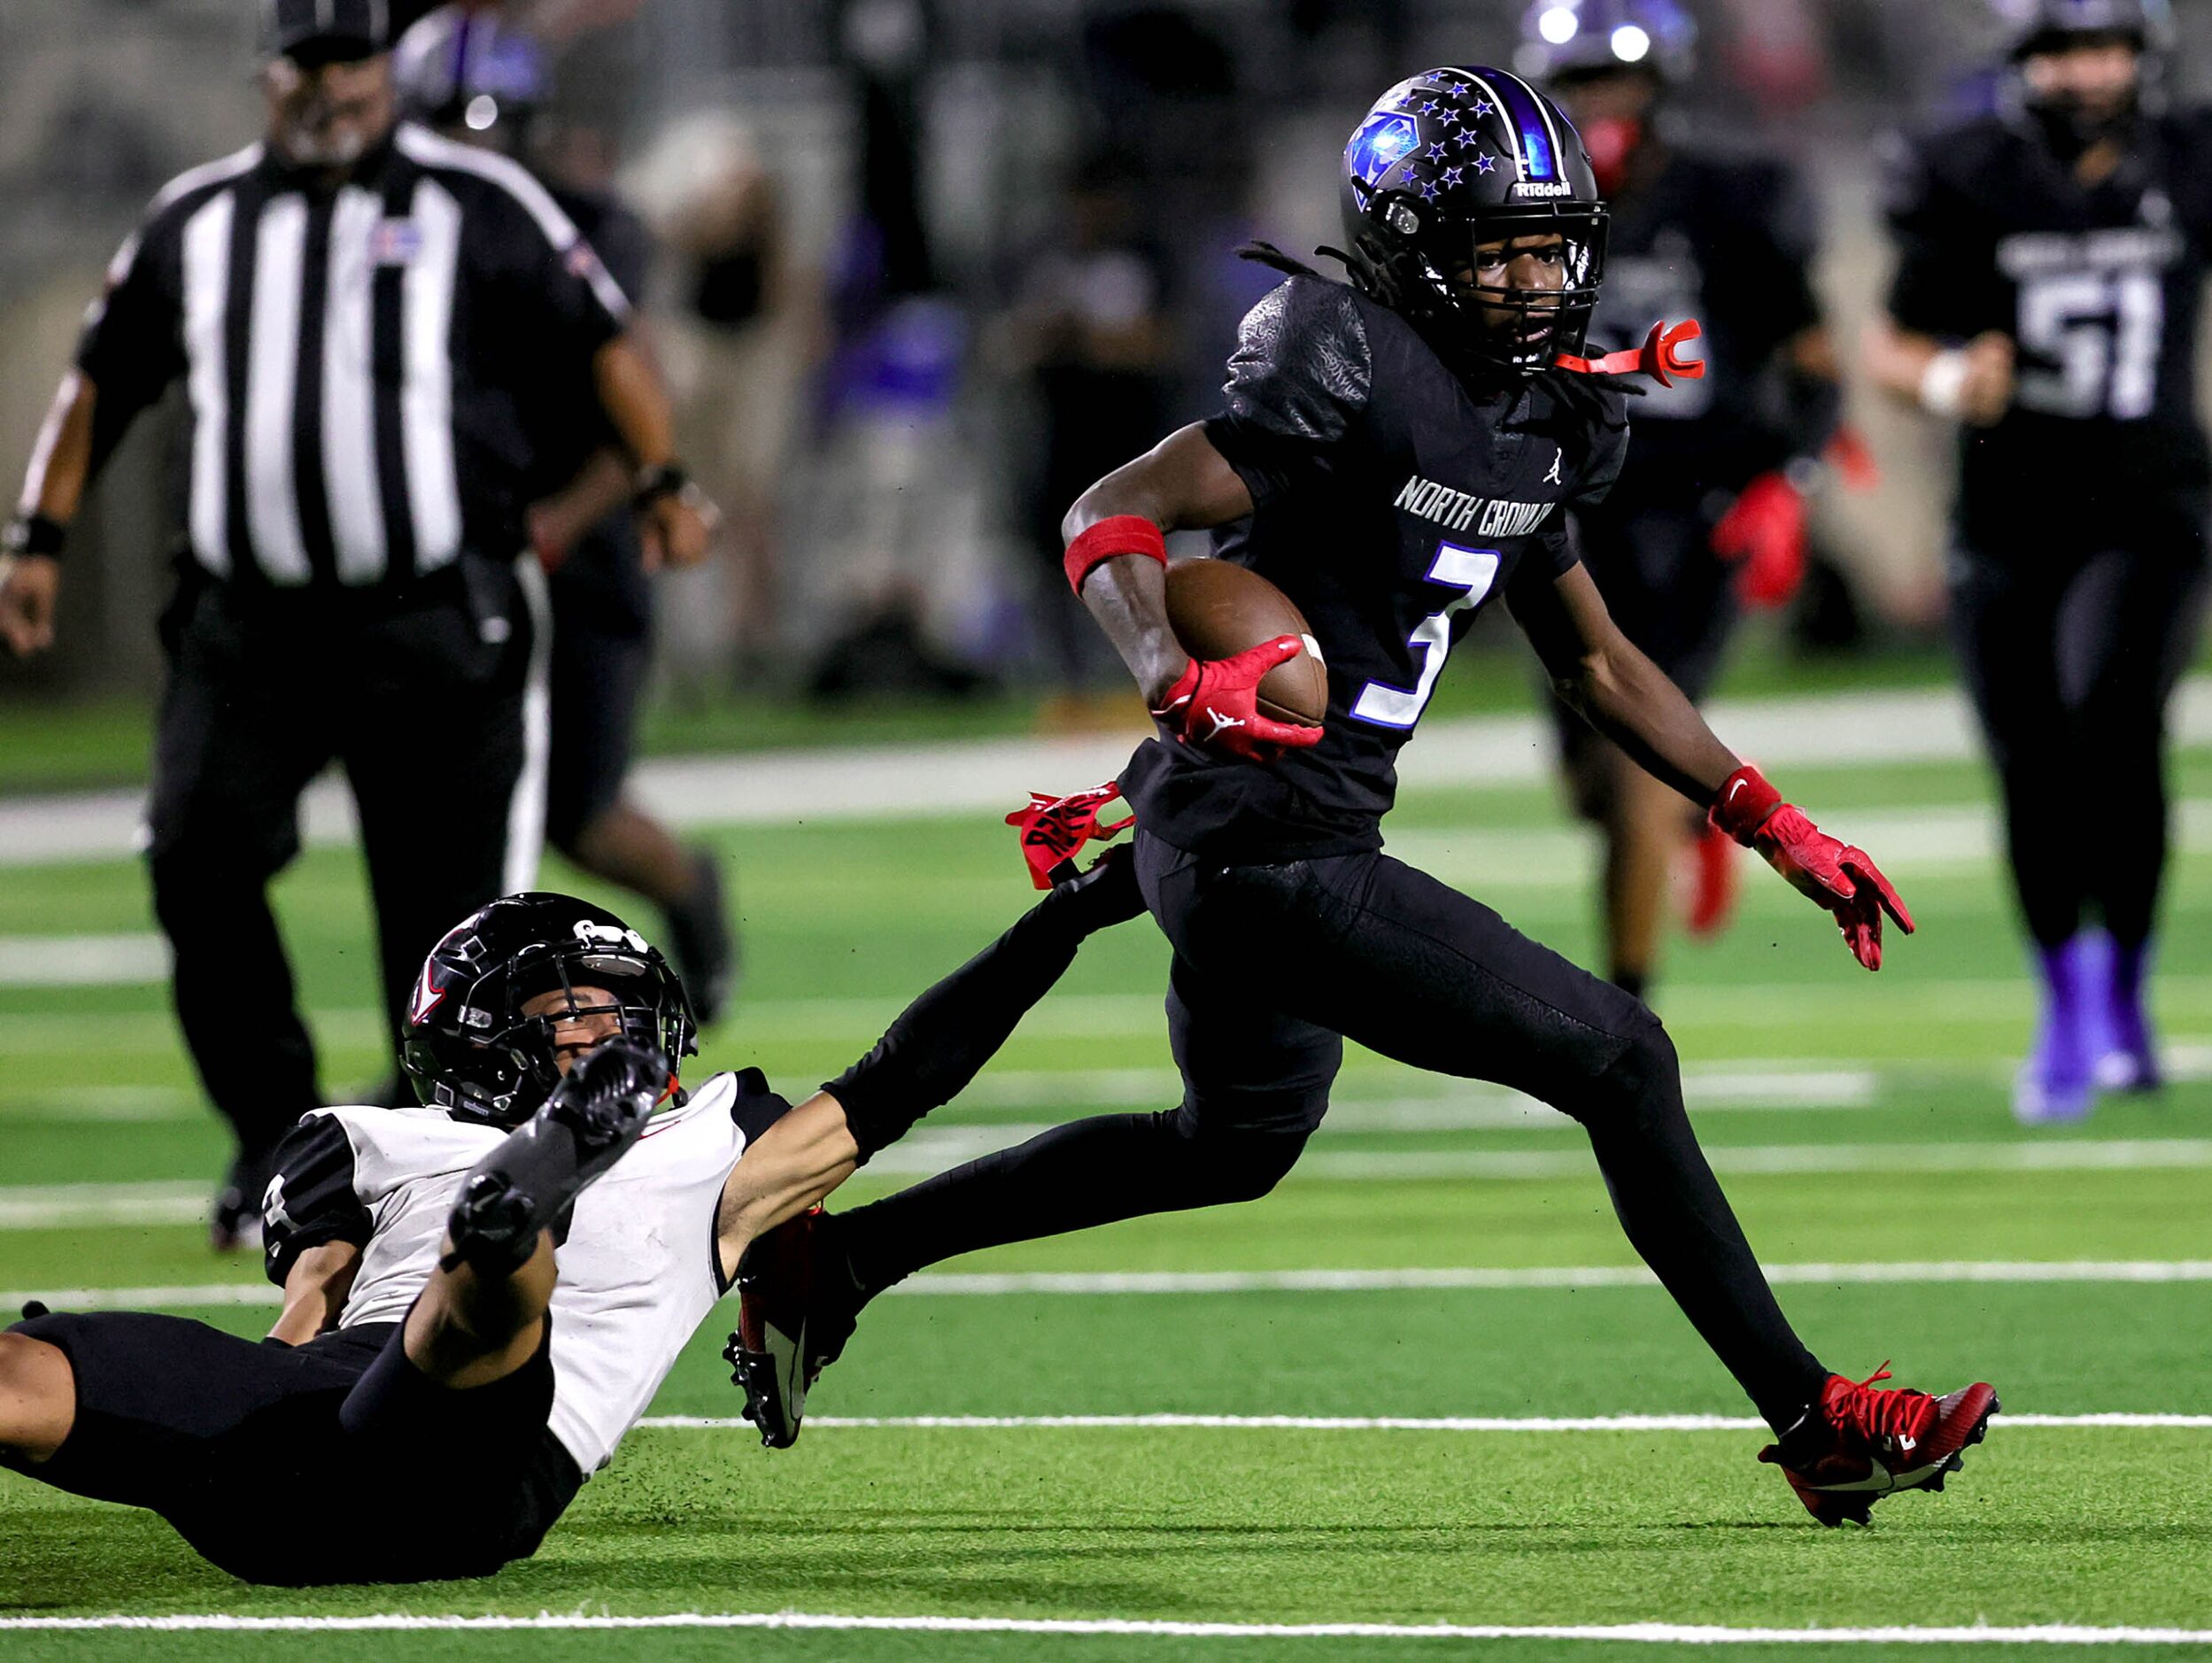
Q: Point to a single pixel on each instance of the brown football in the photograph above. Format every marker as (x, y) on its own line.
(1217, 610)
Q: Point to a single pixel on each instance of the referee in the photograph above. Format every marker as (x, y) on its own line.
(353, 306)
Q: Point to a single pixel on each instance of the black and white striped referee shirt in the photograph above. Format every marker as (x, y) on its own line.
(363, 364)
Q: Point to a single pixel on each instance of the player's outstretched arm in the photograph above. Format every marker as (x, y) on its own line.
(1631, 700)
(927, 1056)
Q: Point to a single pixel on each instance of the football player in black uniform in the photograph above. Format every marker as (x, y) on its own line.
(2052, 258)
(1395, 454)
(483, 82)
(1709, 499)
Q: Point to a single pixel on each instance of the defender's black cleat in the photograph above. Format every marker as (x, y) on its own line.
(526, 1183)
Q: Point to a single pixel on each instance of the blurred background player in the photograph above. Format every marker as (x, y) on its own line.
(1709, 505)
(479, 80)
(1090, 331)
(350, 305)
(2051, 261)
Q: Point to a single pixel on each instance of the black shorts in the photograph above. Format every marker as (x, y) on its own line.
(335, 1461)
(595, 681)
(1274, 963)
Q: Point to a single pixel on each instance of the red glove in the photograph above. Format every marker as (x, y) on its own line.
(1055, 829)
(1836, 876)
(1764, 529)
(1215, 704)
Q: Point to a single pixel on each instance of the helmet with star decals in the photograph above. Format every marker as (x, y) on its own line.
(1471, 210)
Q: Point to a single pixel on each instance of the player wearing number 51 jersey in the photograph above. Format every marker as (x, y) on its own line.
(2051, 263)
(1396, 454)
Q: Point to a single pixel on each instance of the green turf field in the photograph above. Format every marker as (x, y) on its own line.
(1859, 1122)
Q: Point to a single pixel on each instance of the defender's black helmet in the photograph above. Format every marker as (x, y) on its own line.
(468, 1049)
(1459, 157)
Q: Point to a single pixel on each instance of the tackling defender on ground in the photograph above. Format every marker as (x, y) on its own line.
(483, 1295)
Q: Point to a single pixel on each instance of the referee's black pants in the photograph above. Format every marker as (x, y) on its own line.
(2071, 657)
(425, 705)
(1274, 967)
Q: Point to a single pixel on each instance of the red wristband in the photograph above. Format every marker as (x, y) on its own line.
(1743, 803)
(1117, 535)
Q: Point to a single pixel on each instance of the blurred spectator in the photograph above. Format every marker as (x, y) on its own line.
(1089, 330)
(741, 327)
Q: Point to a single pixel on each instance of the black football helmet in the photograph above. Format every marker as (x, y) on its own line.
(1561, 40)
(468, 1049)
(470, 73)
(1455, 158)
(2039, 25)
(2068, 126)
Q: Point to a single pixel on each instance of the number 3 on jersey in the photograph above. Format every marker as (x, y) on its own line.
(1470, 571)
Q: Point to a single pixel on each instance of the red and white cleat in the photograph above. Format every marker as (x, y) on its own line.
(1858, 1444)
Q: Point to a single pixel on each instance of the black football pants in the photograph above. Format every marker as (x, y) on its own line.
(1274, 965)
(2070, 660)
(428, 718)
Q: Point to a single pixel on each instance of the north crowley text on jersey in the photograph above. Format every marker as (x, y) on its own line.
(1459, 511)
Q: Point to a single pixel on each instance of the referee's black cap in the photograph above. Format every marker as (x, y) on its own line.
(315, 32)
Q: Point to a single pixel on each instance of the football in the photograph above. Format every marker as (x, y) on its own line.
(1217, 610)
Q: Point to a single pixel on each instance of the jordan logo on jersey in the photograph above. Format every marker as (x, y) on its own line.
(1552, 478)
(1461, 511)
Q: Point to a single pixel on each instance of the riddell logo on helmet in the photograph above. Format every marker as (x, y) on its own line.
(1538, 188)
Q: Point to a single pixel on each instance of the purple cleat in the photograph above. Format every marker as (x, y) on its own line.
(2127, 1054)
(2056, 1084)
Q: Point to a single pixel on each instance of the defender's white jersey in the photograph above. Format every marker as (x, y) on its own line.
(639, 1271)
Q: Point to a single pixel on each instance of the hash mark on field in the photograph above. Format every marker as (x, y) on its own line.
(1469, 1277)
(1644, 1633)
(1376, 1423)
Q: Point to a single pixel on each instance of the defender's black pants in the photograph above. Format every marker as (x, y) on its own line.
(427, 715)
(1272, 966)
(2070, 659)
(334, 1461)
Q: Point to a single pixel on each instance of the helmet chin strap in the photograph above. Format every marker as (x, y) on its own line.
(1657, 358)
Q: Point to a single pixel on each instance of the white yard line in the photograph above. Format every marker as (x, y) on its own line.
(47, 1206)
(976, 776)
(1372, 1423)
(1635, 1633)
(1469, 1278)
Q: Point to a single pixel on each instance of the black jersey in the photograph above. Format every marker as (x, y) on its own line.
(1391, 502)
(2099, 287)
(1728, 242)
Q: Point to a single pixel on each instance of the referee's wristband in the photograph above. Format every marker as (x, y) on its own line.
(1115, 536)
(669, 479)
(34, 534)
